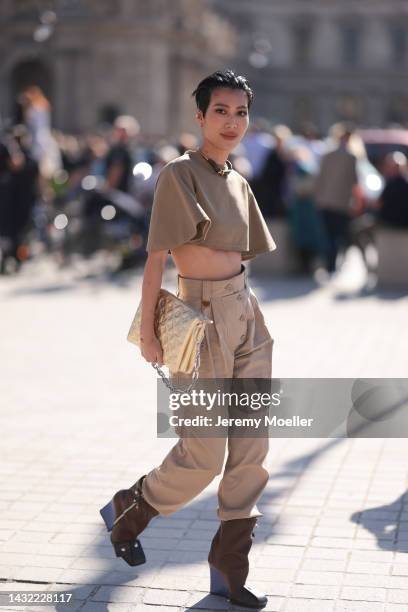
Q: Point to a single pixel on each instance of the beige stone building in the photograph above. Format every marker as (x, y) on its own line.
(317, 60)
(324, 60)
(97, 58)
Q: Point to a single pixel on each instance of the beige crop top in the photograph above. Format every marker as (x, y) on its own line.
(194, 204)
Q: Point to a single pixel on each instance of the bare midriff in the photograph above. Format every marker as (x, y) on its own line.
(201, 262)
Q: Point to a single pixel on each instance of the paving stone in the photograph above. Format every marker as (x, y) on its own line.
(198, 601)
(316, 552)
(319, 577)
(273, 562)
(92, 606)
(400, 569)
(118, 594)
(269, 587)
(165, 597)
(40, 574)
(358, 606)
(363, 593)
(360, 567)
(325, 565)
(314, 591)
(308, 605)
(280, 551)
(398, 596)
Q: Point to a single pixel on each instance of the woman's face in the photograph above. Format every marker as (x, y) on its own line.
(226, 119)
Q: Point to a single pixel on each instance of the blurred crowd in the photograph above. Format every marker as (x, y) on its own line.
(65, 194)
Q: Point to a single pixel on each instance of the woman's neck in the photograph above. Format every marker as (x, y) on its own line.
(220, 156)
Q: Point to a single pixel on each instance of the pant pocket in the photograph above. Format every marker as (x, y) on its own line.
(230, 316)
(258, 316)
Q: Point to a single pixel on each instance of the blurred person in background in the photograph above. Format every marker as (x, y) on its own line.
(76, 158)
(5, 172)
(393, 201)
(97, 150)
(162, 156)
(117, 167)
(115, 194)
(257, 143)
(75, 154)
(363, 222)
(24, 192)
(18, 193)
(312, 139)
(6, 165)
(119, 161)
(306, 226)
(336, 186)
(37, 118)
(270, 185)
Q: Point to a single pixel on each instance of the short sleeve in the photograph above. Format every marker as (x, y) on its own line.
(260, 239)
(176, 217)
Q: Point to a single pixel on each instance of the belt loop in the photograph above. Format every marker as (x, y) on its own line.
(178, 285)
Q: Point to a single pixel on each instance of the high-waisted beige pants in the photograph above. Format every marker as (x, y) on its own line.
(237, 345)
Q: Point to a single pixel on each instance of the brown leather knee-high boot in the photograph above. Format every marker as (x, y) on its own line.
(229, 565)
(126, 516)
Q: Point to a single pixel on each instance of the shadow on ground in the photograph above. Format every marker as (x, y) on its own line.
(113, 580)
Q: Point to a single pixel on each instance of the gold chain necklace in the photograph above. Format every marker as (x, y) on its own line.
(221, 171)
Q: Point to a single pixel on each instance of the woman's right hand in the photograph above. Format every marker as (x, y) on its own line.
(152, 350)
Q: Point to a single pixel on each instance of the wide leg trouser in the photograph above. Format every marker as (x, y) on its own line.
(237, 345)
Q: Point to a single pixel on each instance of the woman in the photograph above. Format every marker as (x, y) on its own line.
(306, 226)
(37, 117)
(205, 215)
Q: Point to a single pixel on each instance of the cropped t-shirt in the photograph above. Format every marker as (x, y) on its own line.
(193, 204)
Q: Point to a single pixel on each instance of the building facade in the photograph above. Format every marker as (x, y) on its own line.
(98, 58)
(308, 60)
(324, 60)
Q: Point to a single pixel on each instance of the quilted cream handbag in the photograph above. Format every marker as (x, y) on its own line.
(180, 330)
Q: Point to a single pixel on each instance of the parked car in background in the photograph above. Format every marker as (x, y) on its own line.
(380, 142)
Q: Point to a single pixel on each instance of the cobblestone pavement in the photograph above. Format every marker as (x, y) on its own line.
(78, 422)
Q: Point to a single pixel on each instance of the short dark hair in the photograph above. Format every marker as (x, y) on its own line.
(227, 79)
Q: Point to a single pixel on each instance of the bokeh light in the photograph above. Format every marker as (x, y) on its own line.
(108, 212)
(143, 169)
(61, 221)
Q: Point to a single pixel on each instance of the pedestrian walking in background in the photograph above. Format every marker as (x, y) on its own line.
(24, 193)
(270, 186)
(37, 118)
(6, 165)
(18, 192)
(305, 223)
(336, 184)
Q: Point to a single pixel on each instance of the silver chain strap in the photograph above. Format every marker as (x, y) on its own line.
(167, 381)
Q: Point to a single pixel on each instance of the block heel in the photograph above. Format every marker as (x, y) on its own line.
(131, 552)
(229, 564)
(218, 586)
(108, 515)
